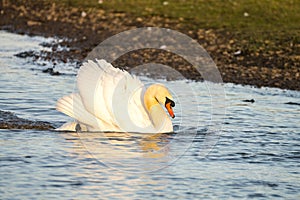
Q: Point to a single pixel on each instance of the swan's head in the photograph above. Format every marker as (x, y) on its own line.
(158, 93)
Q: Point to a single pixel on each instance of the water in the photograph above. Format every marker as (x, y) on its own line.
(256, 155)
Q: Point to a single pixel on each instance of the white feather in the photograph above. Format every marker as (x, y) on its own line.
(72, 106)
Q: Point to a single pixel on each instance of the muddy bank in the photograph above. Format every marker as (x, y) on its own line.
(9, 120)
(83, 29)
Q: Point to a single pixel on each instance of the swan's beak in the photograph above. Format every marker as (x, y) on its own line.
(169, 104)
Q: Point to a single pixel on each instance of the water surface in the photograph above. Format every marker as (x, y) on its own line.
(251, 151)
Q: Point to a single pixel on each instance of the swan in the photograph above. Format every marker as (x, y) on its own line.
(111, 99)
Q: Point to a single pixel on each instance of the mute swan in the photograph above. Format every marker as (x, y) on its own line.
(110, 99)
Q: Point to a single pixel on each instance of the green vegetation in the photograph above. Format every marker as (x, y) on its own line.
(250, 15)
(257, 21)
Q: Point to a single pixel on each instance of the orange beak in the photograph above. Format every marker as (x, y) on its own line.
(169, 109)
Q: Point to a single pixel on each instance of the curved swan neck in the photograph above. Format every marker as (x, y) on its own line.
(156, 113)
(158, 117)
(149, 98)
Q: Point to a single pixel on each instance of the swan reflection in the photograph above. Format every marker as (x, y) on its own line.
(134, 152)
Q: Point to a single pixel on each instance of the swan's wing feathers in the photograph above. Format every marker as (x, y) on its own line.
(72, 106)
(91, 83)
(123, 100)
(112, 95)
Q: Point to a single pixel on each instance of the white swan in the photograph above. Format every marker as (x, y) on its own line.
(110, 99)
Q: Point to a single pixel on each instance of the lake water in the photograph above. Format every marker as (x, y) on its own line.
(223, 146)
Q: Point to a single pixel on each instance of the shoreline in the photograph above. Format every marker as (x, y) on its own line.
(83, 29)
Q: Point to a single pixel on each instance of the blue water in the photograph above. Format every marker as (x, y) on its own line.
(222, 147)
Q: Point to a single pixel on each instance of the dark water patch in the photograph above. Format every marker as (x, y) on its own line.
(294, 157)
(9, 120)
(292, 103)
(53, 185)
(256, 195)
(67, 182)
(27, 156)
(265, 183)
(27, 54)
(276, 195)
(249, 100)
(13, 159)
(246, 155)
(57, 166)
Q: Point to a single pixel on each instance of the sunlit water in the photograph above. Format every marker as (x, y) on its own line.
(251, 151)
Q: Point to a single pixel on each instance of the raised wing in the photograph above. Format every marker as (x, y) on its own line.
(112, 95)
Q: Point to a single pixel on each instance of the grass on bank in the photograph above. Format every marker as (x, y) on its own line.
(250, 15)
(257, 21)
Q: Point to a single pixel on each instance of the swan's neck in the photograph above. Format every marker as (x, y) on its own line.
(158, 117)
(157, 114)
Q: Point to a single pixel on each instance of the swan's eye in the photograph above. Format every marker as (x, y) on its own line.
(172, 104)
(170, 101)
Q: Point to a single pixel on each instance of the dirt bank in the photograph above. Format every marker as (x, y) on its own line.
(270, 64)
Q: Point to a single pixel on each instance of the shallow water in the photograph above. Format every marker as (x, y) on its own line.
(251, 151)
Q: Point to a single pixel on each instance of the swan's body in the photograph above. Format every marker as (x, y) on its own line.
(110, 99)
